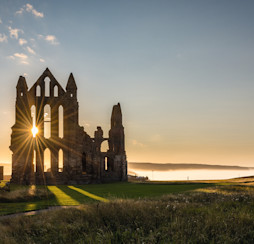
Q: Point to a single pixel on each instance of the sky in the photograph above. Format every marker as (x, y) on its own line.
(183, 71)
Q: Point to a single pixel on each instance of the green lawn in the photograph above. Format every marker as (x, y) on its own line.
(79, 194)
(218, 214)
(2, 183)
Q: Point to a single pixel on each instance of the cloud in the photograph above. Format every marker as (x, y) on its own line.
(49, 38)
(24, 62)
(42, 60)
(25, 74)
(3, 38)
(14, 33)
(30, 50)
(20, 11)
(22, 41)
(30, 9)
(21, 56)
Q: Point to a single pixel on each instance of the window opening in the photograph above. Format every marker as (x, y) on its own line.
(47, 88)
(56, 91)
(33, 115)
(106, 163)
(61, 121)
(34, 160)
(47, 121)
(47, 160)
(38, 91)
(104, 146)
(60, 162)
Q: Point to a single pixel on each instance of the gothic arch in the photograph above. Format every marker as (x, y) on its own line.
(47, 86)
(55, 91)
(47, 160)
(47, 121)
(38, 91)
(60, 160)
(61, 121)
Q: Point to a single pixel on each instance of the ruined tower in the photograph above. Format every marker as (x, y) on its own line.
(74, 156)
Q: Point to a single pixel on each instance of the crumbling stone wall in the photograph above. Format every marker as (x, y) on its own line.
(83, 161)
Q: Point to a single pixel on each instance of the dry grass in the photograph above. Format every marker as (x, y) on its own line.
(225, 214)
(25, 194)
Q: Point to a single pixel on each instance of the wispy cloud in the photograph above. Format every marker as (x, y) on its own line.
(42, 60)
(22, 41)
(50, 39)
(24, 62)
(14, 33)
(3, 38)
(20, 11)
(21, 56)
(30, 9)
(30, 50)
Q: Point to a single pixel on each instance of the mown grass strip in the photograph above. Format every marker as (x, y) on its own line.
(61, 197)
(88, 194)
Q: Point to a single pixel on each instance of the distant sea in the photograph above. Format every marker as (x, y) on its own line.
(199, 174)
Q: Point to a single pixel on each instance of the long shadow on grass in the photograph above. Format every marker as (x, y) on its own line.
(88, 194)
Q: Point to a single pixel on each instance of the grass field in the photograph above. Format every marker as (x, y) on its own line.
(80, 194)
(214, 214)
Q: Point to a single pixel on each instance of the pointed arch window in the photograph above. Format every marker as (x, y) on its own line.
(47, 160)
(47, 121)
(34, 160)
(47, 86)
(61, 121)
(55, 91)
(33, 115)
(38, 91)
(106, 163)
(60, 162)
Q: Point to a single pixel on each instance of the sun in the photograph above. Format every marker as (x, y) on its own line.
(34, 131)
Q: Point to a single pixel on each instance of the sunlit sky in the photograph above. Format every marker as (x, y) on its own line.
(183, 71)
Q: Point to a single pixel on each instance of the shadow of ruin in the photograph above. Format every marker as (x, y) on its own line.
(47, 123)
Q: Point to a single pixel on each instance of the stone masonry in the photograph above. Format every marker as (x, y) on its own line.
(82, 159)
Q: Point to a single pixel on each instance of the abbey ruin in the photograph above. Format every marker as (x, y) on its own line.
(47, 121)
